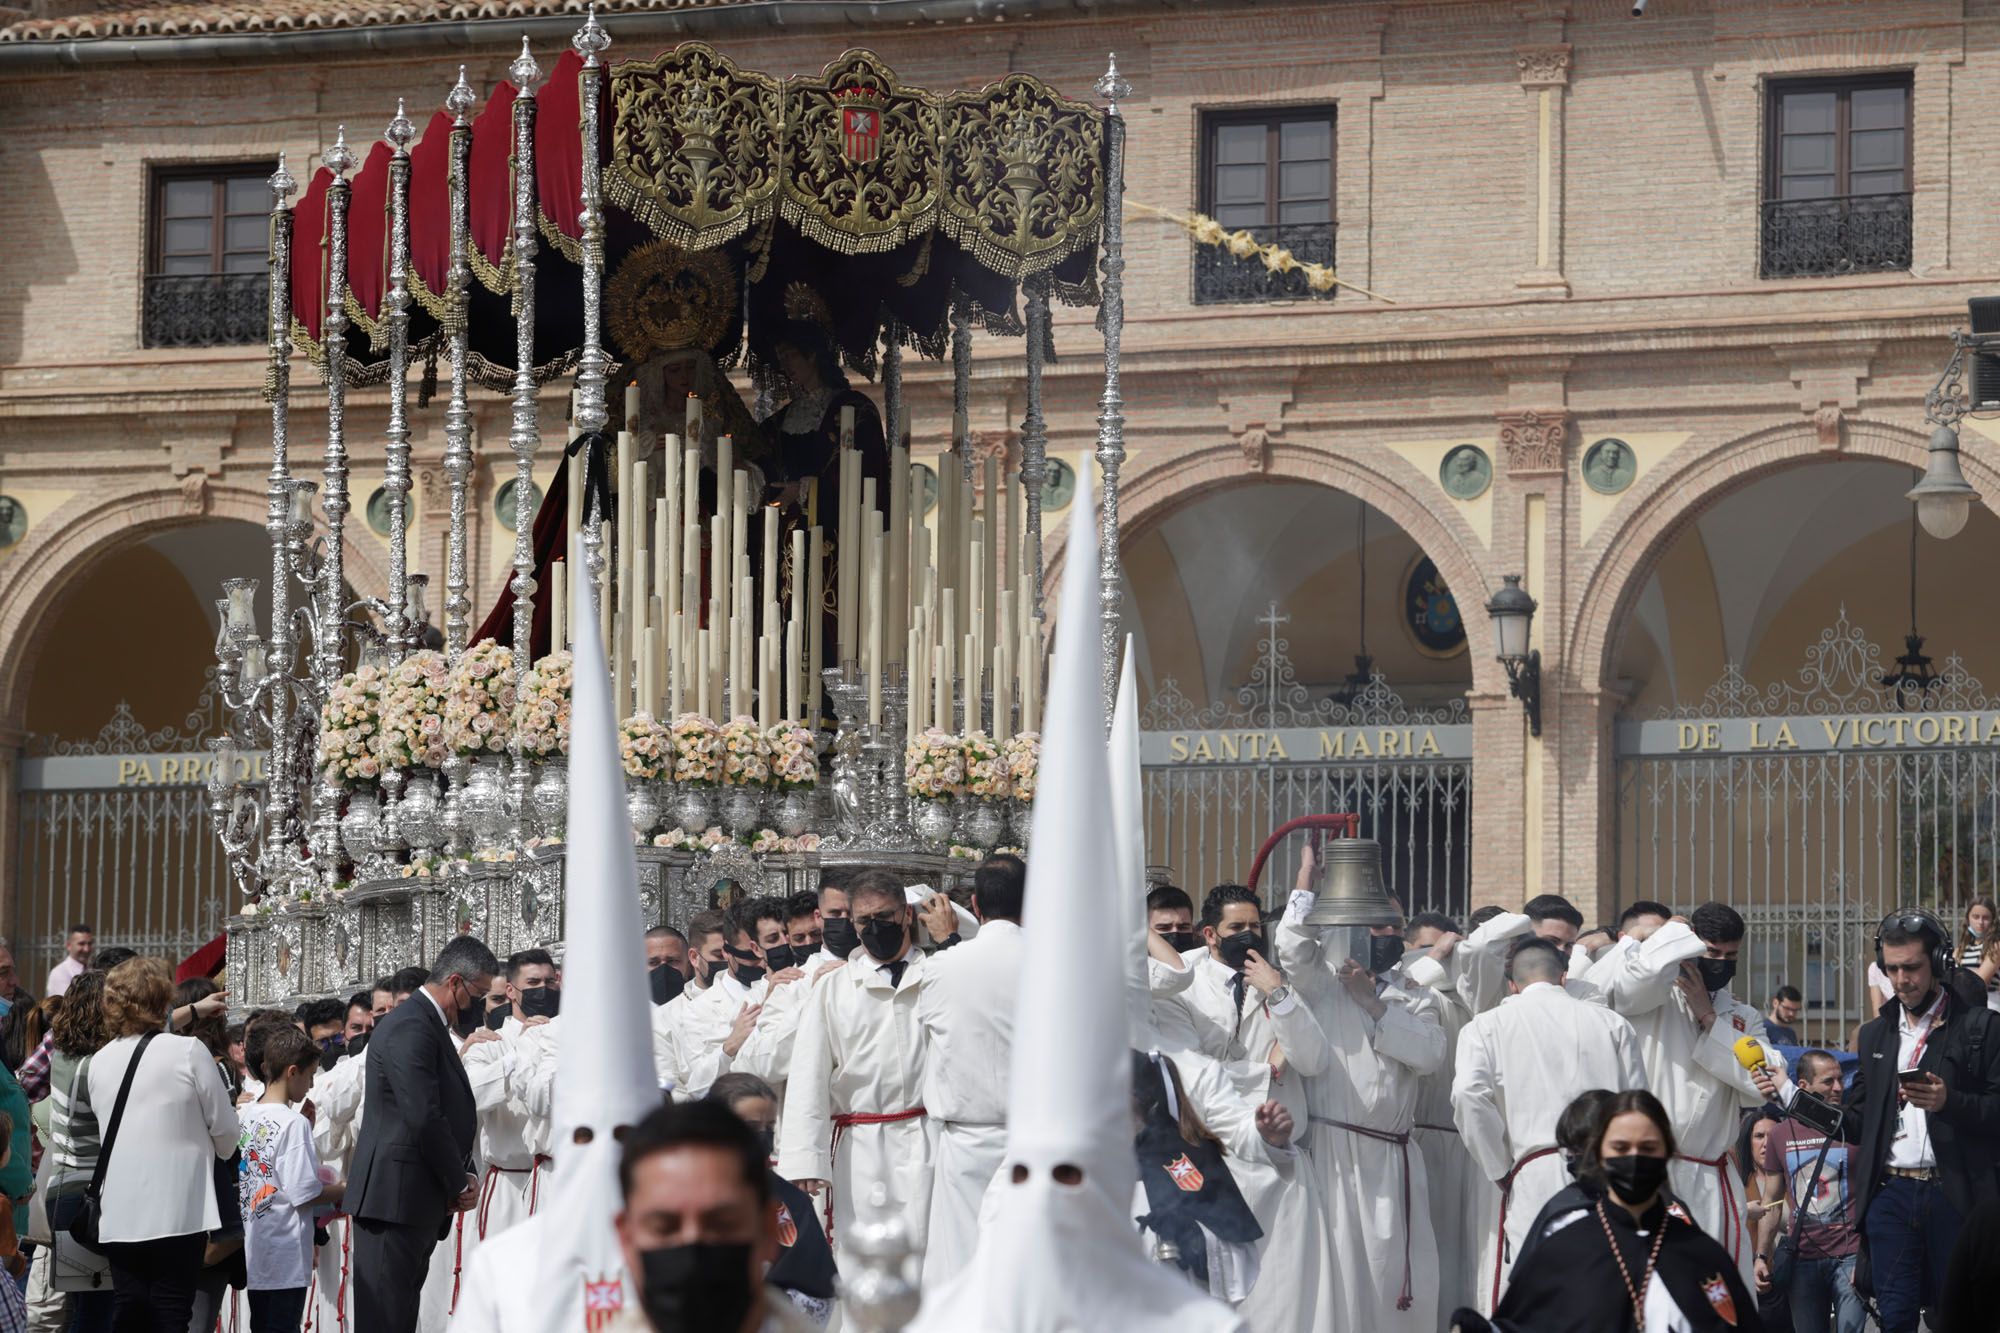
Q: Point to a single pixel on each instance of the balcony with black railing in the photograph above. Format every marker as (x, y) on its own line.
(1820, 238)
(1220, 278)
(207, 309)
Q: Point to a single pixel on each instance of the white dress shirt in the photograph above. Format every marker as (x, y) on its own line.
(1911, 1148)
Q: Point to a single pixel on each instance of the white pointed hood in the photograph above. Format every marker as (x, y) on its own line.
(1057, 1252)
(604, 1050)
(1128, 813)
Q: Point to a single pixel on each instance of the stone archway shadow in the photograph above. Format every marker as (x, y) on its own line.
(1149, 495)
(88, 529)
(1624, 554)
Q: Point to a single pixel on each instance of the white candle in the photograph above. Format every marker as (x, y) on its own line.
(798, 588)
(647, 704)
(604, 607)
(975, 661)
(896, 579)
(1003, 694)
(947, 641)
(847, 427)
(621, 671)
(694, 435)
(875, 664)
(771, 572)
(718, 591)
(573, 511)
(558, 605)
(677, 666)
(725, 508)
(989, 572)
(972, 691)
(701, 674)
(815, 621)
(794, 674)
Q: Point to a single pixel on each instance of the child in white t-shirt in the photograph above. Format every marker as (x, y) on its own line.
(279, 1183)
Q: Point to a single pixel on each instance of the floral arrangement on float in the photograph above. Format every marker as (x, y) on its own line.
(350, 723)
(479, 701)
(965, 787)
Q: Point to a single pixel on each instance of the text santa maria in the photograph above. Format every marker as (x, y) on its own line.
(1306, 744)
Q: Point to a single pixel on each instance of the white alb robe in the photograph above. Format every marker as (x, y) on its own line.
(512, 1143)
(1374, 1184)
(1461, 1198)
(966, 1010)
(768, 1051)
(689, 1032)
(1519, 1065)
(336, 1097)
(859, 1051)
(1695, 1075)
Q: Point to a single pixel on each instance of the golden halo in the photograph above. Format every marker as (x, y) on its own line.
(664, 299)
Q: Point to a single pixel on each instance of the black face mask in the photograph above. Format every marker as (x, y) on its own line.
(469, 1021)
(768, 1138)
(882, 938)
(1715, 972)
(356, 1045)
(841, 939)
(696, 1288)
(1236, 949)
(1180, 941)
(497, 1018)
(704, 971)
(778, 957)
(667, 983)
(541, 1002)
(1635, 1179)
(1384, 952)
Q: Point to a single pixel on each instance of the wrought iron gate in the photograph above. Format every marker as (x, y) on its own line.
(114, 831)
(1814, 806)
(1219, 779)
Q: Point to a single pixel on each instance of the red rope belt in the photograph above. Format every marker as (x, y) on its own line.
(312, 1286)
(457, 1257)
(1402, 1141)
(1732, 1220)
(846, 1121)
(1506, 1195)
(493, 1174)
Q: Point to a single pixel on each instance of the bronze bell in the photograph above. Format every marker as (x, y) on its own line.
(1351, 891)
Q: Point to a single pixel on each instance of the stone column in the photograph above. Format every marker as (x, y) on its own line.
(1585, 810)
(1545, 80)
(1497, 832)
(13, 740)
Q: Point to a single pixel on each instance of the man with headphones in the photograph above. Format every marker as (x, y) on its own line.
(1925, 1112)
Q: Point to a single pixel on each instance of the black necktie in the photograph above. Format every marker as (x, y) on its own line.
(895, 971)
(1236, 991)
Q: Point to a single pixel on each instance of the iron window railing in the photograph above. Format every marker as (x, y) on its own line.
(207, 309)
(1220, 278)
(1817, 238)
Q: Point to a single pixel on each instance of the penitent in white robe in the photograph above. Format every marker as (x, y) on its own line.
(513, 1143)
(1376, 1189)
(689, 1032)
(336, 1097)
(1695, 1075)
(859, 1051)
(1461, 1198)
(768, 1051)
(1519, 1065)
(966, 1009)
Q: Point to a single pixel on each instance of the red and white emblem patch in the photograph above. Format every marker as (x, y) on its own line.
(602, 1302)
(1675, 1210)
(1718, 1295)
(860, 132)
(1737, 1019)
(1185, 1173)
(788, 1230)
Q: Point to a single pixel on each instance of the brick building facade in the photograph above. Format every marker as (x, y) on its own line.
(1575, 223)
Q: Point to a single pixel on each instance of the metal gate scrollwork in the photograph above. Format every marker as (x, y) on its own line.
(1219, 778)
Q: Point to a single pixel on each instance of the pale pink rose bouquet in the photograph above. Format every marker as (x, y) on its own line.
(746, 755)
(412, 732)
(794, 764)
(1024, 760)
(479, 700)
(348, 725)
(541, 710)
(697, 746)
(645, 746)
(934, 766)
(986, 773)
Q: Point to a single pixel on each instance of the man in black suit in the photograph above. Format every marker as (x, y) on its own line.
(413, 1157)
(1925, 1110)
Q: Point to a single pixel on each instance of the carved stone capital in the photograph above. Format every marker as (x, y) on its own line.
(1830, 422)
(1000, 445)
(194, 492)
(1248, 401)
(1543, 66)
(1533, 442)
(433, 492)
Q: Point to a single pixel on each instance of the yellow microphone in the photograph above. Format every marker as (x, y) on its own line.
(1750, 1053)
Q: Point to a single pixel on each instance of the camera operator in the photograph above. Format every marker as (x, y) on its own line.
(1925, 1114)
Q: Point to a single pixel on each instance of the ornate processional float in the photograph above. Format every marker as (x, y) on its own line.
(826, 652)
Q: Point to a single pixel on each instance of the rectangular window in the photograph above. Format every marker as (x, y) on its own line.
(207, 268)
(1837, 177)
(1270, 173)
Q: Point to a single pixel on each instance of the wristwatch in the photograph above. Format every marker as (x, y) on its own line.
(1279, 996)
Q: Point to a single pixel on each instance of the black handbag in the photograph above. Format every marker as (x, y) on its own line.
(83, 1224)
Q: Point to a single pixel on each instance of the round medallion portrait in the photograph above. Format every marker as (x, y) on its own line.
(930, 486)
(503, 502)
(1059, 486)
(1466, 472)
(1609, 466)
(1430, 612)
(378, 511)
(13, 521)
